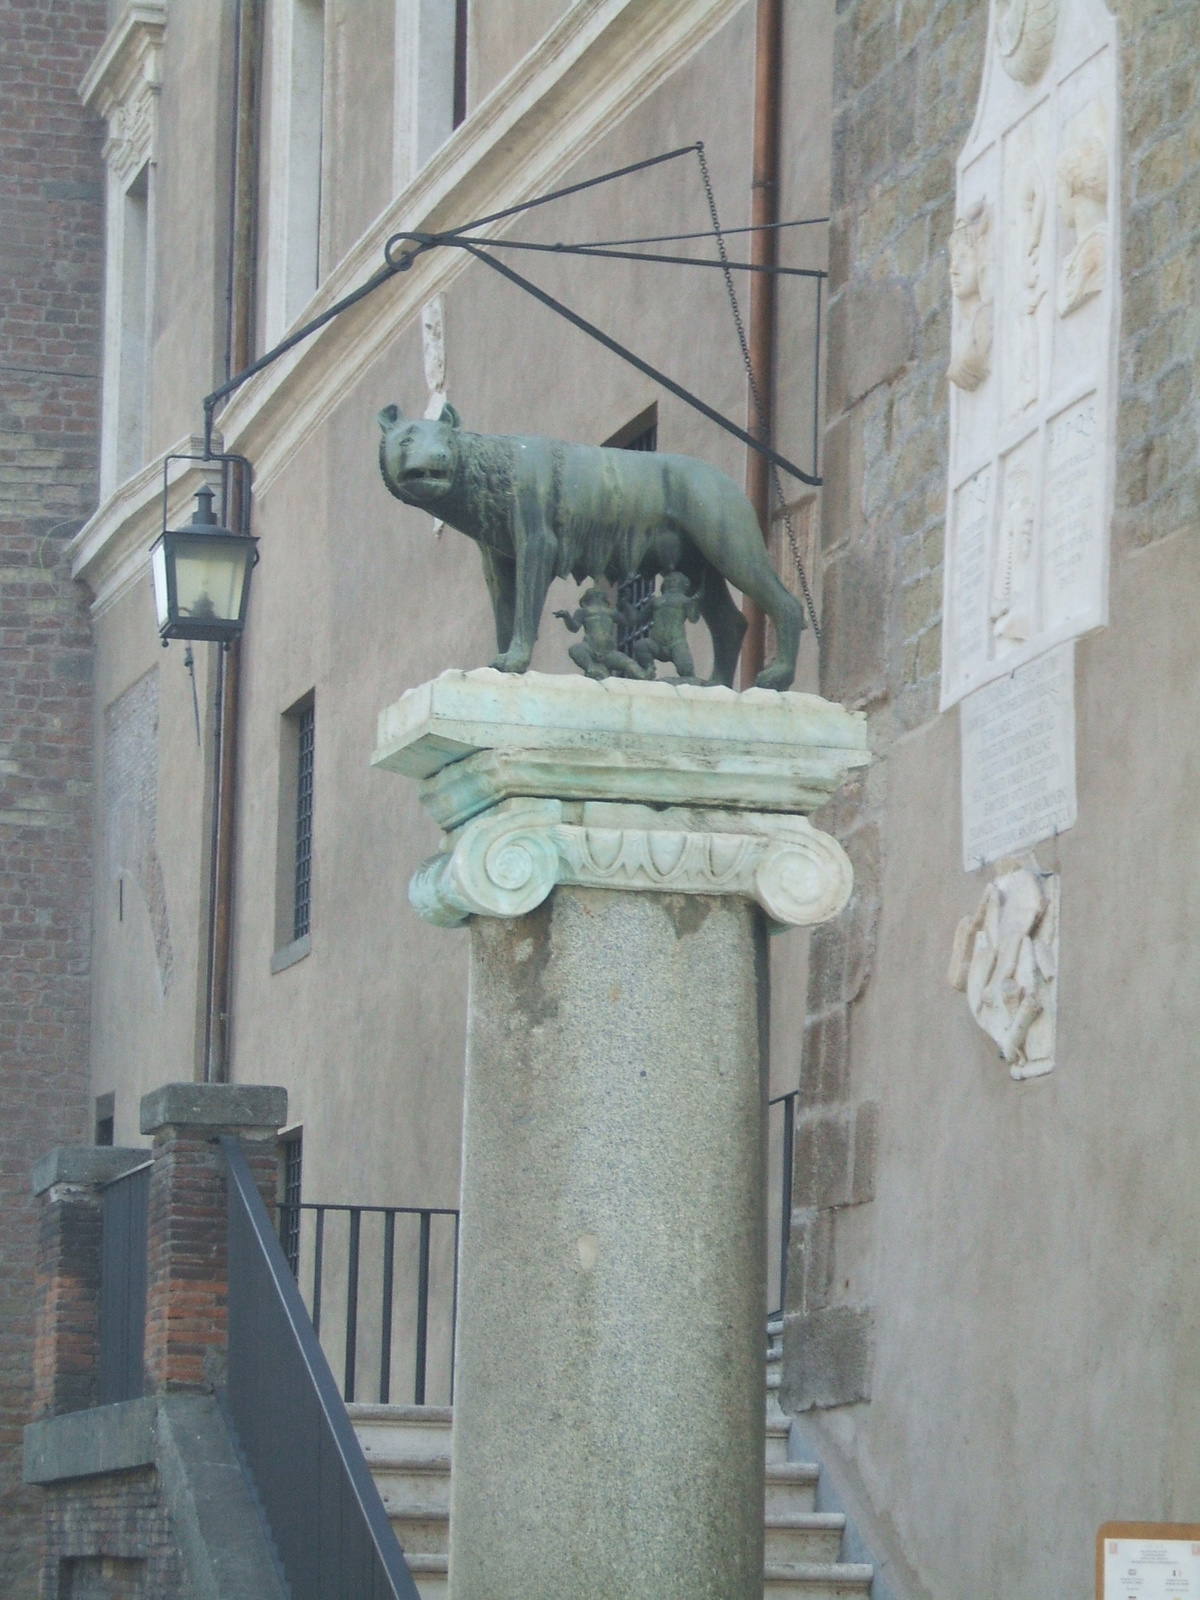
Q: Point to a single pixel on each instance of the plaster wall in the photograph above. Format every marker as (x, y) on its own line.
(190, 221)
(499, 35)
(1022, 1283)
(1030, 1251)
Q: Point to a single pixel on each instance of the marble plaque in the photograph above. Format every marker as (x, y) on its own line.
(1150, 1564)
(1018, 759)
(1034, 289)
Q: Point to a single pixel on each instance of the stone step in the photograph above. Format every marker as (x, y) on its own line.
(791, 1487)
(804, 1536)
(816, 1580)
(778, 1430)
(424, 1529)
(386, 1432)
(418, 1481)
(430, 1575)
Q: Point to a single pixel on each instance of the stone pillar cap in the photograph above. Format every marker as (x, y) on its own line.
(479, 738)
(86, 1165)
(214, 1106)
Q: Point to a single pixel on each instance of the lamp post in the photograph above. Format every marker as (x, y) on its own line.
(201, 577)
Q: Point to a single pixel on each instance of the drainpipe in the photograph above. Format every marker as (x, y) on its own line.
(764, 209)
(239, 350)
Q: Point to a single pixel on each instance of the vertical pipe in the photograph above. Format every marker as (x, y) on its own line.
(318, 1263)
(785, 1222)
(764, 211)
(385, 1337)
(454, 1308)
(422, 1311)
(352, 1305)
(239, 345)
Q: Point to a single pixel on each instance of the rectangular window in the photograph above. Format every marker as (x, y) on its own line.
(106, 1113)
(430, 94)
(294, 834)
(131, 398)
(289, 1211)
(302, 902)
(460, 61)
(297, 122)
(640, 434)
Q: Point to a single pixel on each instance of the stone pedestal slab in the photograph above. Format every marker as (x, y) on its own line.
(614, 847)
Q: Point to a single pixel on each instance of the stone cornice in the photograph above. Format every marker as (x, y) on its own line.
(112, 549)
(128, 54)
(591, 69)
(123, 85)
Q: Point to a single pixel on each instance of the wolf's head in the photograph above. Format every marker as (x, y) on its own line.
(418, 456)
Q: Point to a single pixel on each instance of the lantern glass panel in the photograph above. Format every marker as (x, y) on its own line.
(209, 578)
(162, 599)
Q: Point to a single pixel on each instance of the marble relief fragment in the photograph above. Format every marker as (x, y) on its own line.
(433, 358)
(1031, 290)
(1025, 36)
(1011, 600)
(1083, 200)
(1005, 960)
(971, 281)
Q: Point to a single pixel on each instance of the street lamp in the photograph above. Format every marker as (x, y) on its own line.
(201, 577)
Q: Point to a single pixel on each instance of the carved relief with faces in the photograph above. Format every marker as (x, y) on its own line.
(971, 281)
(1083, 201)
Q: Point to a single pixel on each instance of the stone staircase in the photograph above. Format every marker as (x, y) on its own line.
(408, 1449)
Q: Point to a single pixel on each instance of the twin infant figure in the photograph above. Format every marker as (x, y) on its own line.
(598, 652)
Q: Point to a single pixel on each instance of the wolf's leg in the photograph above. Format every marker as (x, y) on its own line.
(536, 551)
(501, 578)
(725, 623)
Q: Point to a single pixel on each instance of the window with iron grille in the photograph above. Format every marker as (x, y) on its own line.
(289, 1211)
(636, 591)
(302, 912)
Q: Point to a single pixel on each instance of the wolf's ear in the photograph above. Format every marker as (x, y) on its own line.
(388, 417)
(450, 416)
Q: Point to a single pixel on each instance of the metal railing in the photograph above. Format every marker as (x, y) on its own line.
(781, 1137)
(123, 1212)
(433, 1232)
(327, 1521)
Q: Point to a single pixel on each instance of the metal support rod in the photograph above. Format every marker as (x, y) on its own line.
(422, 1312)
(352, 1305)
(785, 1230)
(764, 211)
(239, 345)
(318, 1263)
(385, 1337)
(454, 1308)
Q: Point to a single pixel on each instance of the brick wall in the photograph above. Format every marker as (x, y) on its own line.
(906, 81)
(110, 1539)
(51, 267)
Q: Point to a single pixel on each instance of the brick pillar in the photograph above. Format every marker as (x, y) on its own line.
(66, 1348)
(186, 1311)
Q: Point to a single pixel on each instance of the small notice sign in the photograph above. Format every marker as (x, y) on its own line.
(1018, 759)
(1148, 1561)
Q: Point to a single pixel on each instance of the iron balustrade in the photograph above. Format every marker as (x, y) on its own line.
(327, 1522)
(123, 1212)
(787, 1155)
(318, 1240)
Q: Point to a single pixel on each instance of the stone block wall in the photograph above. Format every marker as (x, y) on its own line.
(51, 272)
(906, 81)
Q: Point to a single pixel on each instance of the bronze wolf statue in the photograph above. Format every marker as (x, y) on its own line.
(540, 509)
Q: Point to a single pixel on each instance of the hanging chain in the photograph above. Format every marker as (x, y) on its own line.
(752, 381)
